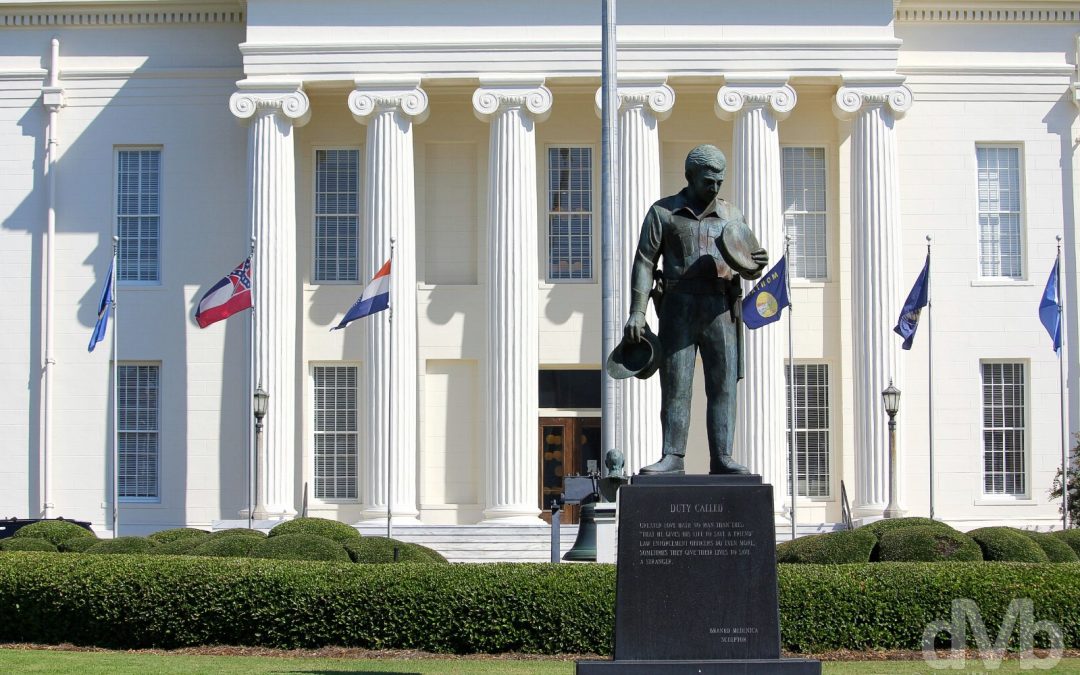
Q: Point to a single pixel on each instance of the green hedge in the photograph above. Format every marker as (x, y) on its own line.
(1055, 549)
(177, 534)
(77, 544)
(236, 545)
(122, 545)
(26, 544)
(1006, 544)
(53, 531)
(380, 550)
(169, 601)
(331, 529)
(1070, 537)
(845, 546)
(237, 532)
(880, 527)
(300, 547)
(184, 546)
(926, 543)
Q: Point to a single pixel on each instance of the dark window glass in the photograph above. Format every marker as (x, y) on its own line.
(569, 388)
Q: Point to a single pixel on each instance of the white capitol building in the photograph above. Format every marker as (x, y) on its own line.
(468, 131)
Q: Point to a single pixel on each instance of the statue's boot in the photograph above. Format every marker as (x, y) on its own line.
(724, 464)
(668, 464)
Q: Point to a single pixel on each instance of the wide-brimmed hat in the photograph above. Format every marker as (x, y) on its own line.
(635, 359)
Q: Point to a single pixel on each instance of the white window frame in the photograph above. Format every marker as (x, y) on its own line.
(1022, 215)
(547, 213)
(312, 431)
(159, 432)
(828, 430)
(1025, 436)
(117, 149)
(315, 281)
(826, 214)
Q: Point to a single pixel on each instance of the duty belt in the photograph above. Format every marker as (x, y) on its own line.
(715, 286)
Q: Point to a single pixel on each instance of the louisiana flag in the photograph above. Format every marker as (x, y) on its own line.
(228, 296)
(767, 300)
(104, 307)
(375, 298)
(908, 322)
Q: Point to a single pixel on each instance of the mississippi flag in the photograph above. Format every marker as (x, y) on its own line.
(375, 298)
(228, 296)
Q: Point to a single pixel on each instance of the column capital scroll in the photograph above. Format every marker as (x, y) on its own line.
(739, 94)
(853, 96)
(650, 92)
(287, 99)
(498, 94)
(401, 94)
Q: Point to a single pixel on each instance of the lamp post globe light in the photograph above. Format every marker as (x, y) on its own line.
(261, 401)
(891, 399)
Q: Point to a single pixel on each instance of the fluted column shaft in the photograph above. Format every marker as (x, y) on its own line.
(389, 108)
(761, 427)
(272, 114)
(644, 101)
(511, 469)
(876, 271)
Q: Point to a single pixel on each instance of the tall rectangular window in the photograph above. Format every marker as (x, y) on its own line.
(811, 428)
(803, 179)
(138, 427)
(999, 211)
(336, 412)
(138, 215)
(337, 215)
(1004, 471)
(570, 214)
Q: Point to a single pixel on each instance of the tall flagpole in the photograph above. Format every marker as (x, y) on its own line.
(390, 404)
(252, 449)
(115, 396)
(930, 368)
(1061, 395)
(794, 461)
(608, 135)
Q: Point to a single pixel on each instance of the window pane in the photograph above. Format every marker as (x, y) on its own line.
(138, 199)
(570, 218)
(336, 443)
(803, 178)
(137, 431)
(811, 428)
(570, 389)
(337, 215)
(999, 211)
(1003, 429)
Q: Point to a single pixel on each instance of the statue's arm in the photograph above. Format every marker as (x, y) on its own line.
(641, 274)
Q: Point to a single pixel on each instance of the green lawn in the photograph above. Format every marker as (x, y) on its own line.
(121, 663)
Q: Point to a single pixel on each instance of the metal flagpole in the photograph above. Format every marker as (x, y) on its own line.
(930, 367)
(252, 458)
(115, 397)
(390, 402)
(794, 457)
(608, 136)
(1061, 396)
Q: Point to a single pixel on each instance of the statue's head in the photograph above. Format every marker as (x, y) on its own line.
(705, 170)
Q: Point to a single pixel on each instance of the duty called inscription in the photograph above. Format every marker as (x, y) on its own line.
(685, 537)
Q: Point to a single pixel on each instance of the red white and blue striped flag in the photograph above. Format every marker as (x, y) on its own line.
(375, 298)
(228, 296)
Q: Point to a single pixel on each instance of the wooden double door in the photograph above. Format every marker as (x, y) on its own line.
(567, 445)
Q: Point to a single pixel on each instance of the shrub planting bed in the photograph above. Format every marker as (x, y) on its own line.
(131, 601)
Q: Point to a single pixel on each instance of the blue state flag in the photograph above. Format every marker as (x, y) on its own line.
(767, 300)
(908, 322)
(1050, 308)
(104, 307)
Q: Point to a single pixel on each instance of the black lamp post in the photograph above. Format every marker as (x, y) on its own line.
(261, 403)
(891, 398)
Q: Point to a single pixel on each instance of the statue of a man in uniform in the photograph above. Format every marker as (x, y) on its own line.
(706, 247)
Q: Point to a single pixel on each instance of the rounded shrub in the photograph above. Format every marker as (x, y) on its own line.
(322, 527)
(26, 544)
(77, 544)
(235, 546)
(880, 527)
(380, 550)
(1005, 544)
(176, 534)
(237, 532)
(1070, 537)
(844, 546)
(185, 546)
(1055, 549)
(53, 531)
(122, 545)
(924, 543)
(300, 547)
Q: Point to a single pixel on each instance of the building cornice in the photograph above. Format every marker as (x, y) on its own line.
(988, 11)
(120, 13)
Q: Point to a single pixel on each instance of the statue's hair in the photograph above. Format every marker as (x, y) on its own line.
(706, 156)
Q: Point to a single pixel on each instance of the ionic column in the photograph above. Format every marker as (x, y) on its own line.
(512, 107)
(757, 106)
(873, 109)
(644, 101)
(272, 111)
(389, 107)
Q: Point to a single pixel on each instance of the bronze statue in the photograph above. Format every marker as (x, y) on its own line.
(706, 247)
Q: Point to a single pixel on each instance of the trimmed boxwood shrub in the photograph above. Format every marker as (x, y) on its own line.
(176, 534)
(77, 544)
(237, 532)
(923, 543)
(331, 529)
(300, 547)
(185, 546)
(233, 546)
(1006, 544)
(1055, 549)
(122, 545)
(845, 546)
(380, 550)
(26, 544)
(53, 531)
(880, 527)
(1070, 537)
